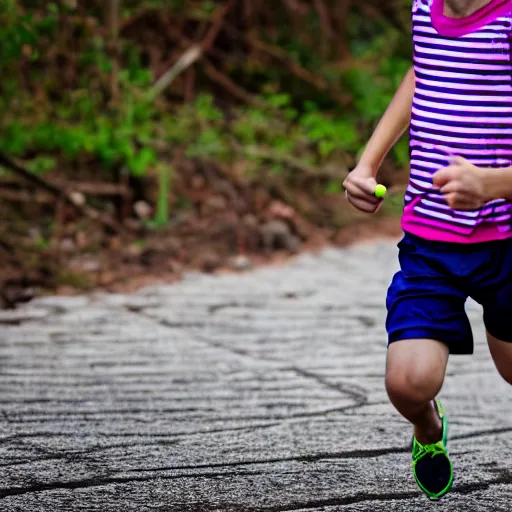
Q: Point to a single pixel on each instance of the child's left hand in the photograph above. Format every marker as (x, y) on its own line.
(462, 184)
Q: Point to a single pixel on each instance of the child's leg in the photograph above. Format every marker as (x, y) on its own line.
(501, 352)
(414, 375)
(425, 302)
(496, 299)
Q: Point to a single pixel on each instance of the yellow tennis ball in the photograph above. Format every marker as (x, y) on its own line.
(380, 191)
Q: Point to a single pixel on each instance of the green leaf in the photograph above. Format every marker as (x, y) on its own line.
(42, 164)
(276, 169)
(206, 109)
(325, 148)
(209, 143)
(279, 100)
(162, 207)
(140, 163)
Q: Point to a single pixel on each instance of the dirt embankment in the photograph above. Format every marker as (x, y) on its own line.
(220, 220)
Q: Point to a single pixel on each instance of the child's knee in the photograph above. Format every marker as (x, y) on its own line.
(414, 385)
(415, 370)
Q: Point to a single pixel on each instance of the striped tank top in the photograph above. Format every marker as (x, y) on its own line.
(462, 106)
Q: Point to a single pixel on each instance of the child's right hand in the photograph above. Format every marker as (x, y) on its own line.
(360, 189)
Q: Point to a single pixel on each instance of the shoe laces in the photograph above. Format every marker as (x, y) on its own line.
(429, 449)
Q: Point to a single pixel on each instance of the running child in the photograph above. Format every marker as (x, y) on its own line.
(457, 221)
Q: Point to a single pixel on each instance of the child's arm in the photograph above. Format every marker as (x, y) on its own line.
(497, 183)
(468, 187)
(360, 183)
(391, 127)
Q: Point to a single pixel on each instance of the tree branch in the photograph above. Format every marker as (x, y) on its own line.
(68, 198)
(232, 87)
(113, 19)
(192, 55)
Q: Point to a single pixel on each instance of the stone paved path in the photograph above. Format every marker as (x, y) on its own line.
(261, 392)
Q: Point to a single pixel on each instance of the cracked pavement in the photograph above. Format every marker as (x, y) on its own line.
(254, 392)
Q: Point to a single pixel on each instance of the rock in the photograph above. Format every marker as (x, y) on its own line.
(225, 229)
(226, 188)
(78, 198)
(173, 247)
(183, 218)
(197, 182)
(116, 243)
(91, 266)
(67, 245)
(251, 233)
(276, 234)
(280, 210)
(143, 210)
(15, 293)
(153, 257)
(34, 233)
(293, 244)
(81, 240)
(175, 266)
(107, 278)
(241, 263)
(133, 224)
(214, 203)
(135, 250)
(131, 254)
(66, 290)
(250, 220)
(260, 199)
(208, 262)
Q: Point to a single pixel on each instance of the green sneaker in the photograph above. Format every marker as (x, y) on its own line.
(431, 465)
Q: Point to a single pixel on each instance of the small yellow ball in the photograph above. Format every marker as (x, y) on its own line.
(380, 191)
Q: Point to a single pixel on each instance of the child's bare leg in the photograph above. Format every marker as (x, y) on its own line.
(414, 376)
(501, 352)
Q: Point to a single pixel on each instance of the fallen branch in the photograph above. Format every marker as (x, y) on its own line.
(327, 32)
(281, 55)
(98, 188)
(10, 189)
(216, 26)
(8, 181)
(9, 164)
(231, 86)
(24, 196)
(113, 45)
(69, 198)
(191, 56)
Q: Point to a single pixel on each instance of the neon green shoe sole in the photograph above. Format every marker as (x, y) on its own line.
(432, 467)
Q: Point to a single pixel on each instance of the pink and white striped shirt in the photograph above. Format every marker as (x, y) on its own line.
(462, 106)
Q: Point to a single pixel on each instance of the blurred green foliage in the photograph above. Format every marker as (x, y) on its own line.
(48, 116)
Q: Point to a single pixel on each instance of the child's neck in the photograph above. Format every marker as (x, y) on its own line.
(463, 8)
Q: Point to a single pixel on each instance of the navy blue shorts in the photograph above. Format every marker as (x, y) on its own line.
(427, 297)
